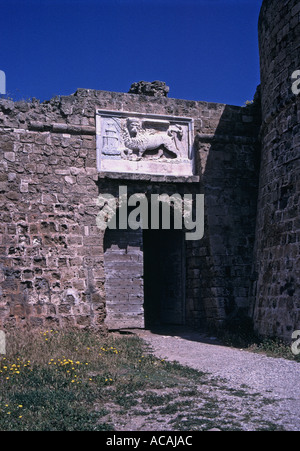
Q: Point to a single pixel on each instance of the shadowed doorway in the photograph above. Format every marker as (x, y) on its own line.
(164, 277)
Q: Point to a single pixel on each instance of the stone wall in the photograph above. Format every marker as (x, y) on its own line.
(277, 271)
(51, 251)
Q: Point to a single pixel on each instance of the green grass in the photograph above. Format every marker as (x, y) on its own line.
(274, 348)
(51, 381)
(245, 338)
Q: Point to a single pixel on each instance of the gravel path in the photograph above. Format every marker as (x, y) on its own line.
(274, 379)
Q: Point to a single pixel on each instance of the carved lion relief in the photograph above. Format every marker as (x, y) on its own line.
(133, 138)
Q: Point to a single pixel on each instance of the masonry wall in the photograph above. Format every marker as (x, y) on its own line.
(277, 271)
(51, 251)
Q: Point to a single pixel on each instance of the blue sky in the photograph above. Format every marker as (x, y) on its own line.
(203, 49)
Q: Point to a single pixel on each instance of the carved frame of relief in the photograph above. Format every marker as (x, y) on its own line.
(136, 143)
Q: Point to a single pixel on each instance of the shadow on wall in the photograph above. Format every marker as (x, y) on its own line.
(229, 163)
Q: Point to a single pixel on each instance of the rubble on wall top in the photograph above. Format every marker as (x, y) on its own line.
(152, 89)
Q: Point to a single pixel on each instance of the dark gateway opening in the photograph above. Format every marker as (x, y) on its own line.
(164, 277)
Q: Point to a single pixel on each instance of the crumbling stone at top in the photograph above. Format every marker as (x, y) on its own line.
(152, 89)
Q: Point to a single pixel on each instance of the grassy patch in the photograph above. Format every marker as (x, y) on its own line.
(274, 348)
(52, 380)
(246, 339)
